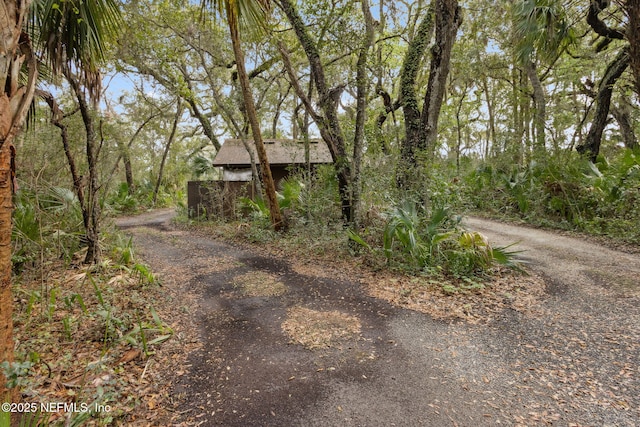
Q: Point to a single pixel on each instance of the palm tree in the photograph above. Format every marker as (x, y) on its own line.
(64, 35)
(542, 32)
(253, 12)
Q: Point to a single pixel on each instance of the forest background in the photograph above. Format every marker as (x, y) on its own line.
(529, 86)
(519, 109)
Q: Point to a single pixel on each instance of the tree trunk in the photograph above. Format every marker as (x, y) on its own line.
(412, 123)
(56, 119)
(204, 120)
(591, 146)
(362, 84)
(623, 116)
(128, 171)
(172, 136)
(540, 114)
(276, 115)
(306, 122)
(15, 99)
(633, 35)
(267, 177)
(459, 129)
(421, 127)
(232, 122)
(329, 125)
(125, 155)
(526, 130)
(448, 19)
(518, 127)
(578, 109)
(491, 131)
(92, 227)
(6, 297)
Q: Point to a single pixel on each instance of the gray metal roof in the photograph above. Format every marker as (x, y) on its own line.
(279, 152)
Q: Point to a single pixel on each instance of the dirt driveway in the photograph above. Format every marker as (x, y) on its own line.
(575, 362)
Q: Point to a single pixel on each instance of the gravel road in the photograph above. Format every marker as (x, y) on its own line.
(575, 362)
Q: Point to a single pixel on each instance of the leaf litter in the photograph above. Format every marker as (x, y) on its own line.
(93, 336)
(259, 284)
(316, 329)
(566, 379)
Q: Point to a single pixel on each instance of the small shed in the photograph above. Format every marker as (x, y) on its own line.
(218, 198)
(284, 156)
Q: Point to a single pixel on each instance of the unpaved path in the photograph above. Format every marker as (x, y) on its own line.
(567, 262)
(574, 363)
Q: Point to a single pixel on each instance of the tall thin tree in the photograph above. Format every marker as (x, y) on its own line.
(254, 13)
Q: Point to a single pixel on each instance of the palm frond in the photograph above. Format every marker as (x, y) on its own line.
(541, 27)
(249, 15)
(507, 257)
(74, 34)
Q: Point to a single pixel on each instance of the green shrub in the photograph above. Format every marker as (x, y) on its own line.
(564, 191)
(433, 241)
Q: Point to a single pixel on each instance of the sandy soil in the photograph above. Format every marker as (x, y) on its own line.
(574, 361)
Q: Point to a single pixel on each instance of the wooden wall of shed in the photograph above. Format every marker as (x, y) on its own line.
(217, 199)
(279, 173)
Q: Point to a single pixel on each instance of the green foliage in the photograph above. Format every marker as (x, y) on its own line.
(433, 242)
(46, 223)
(34, 419)
(25, 235)
(303, 201)
(565, 191)
(418, 238)
(143, 273)
(15, 372)
(100, 304)
(314, 199)
(290, 194)
(5, 419)
(138, 336)
(201, 166)
(258, 207)
(122, 250)
(541, 27)
(117, 324)
(122, 201)
(504, 256)
(357, 239)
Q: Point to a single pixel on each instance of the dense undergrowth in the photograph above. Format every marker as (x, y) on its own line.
(414, 238)
(83, 333)
(565, 192)
(124, 200)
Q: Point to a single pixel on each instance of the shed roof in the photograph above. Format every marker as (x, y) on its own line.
(279, 152)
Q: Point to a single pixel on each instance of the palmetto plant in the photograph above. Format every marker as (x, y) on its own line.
(417, 235)
(290, 194)
(434, 241)
(25, 234)
(289, 197)
(402, 227)
(45, 221)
